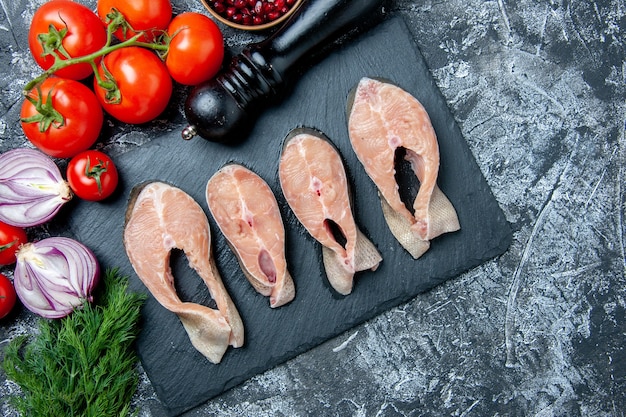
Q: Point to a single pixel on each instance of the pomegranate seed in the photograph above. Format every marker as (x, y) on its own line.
(219, 7)
(230, 12)
(257, 20)
(240, 4)
(273, 15)
(258, 7)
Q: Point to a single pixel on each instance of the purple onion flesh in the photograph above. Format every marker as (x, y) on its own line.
(55, 275)
(32, 189)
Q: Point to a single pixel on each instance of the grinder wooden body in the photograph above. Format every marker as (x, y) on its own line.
(223, 109)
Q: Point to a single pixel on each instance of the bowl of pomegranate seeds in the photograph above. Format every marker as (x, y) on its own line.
(251, 14)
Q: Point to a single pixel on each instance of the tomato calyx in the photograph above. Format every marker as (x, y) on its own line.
(108, 83)
(46, 115)
(165, 40)
(95, 171)
(52, 42)
(115, 20)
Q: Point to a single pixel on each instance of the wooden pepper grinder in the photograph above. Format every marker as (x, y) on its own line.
(221, 109)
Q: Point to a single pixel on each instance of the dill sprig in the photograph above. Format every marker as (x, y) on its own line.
(83, 364)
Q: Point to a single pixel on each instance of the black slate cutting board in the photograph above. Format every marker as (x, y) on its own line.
(180, 375)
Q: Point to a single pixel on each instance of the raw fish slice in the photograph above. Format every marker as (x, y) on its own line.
(159, 218)
(313, 180)
(246, 211)
(382, 118)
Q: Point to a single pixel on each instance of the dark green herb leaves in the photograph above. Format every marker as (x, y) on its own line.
(84, 364)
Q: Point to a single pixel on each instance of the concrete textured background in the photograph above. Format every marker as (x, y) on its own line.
(538, 88)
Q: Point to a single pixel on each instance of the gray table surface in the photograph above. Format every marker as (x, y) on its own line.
(538, 89)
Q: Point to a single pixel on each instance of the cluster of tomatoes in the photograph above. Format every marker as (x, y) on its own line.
(134, 52)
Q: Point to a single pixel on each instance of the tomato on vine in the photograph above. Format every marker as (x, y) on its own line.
(7, 296)
(11, 237)
(149, 16)
(196, 48)
(63, 29)
(92, 175)
(133, 85)
(61, 117)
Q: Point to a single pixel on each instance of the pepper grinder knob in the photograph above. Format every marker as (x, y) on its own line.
(222, 109)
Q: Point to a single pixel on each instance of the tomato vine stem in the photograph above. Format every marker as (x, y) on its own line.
(117, 21)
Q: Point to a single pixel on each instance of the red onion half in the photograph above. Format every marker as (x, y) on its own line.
(32, 189)
(55, 275)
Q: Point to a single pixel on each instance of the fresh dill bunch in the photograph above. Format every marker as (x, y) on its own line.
(84, 364)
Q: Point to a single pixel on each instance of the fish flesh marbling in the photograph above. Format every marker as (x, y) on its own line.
(382, 118)
(159, 218)
(245, 209)
(314, 183)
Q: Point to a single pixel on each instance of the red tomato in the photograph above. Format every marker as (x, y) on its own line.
(84, 34)
(7, 296)
(68, 121)
(196, 48)
(151, 16)
(144, 86)
(92, 175)
(11, 237)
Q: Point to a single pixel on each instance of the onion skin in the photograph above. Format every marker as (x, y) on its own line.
(55, 275)
(32, 189)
